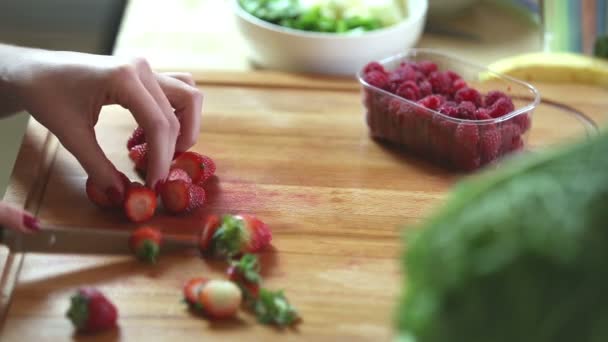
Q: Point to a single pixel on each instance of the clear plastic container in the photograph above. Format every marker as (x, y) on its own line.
(459, 144)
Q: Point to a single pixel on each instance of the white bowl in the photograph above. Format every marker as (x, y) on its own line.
(276, 47)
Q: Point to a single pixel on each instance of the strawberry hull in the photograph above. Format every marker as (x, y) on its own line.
(494, 115)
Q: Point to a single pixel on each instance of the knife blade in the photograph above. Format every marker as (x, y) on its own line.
(54, 240)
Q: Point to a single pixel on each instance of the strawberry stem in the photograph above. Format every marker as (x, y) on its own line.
(229, 237)
(148, 251)
(273, 308)
(78, 312)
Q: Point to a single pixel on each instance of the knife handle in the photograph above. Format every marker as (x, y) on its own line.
(2, 234)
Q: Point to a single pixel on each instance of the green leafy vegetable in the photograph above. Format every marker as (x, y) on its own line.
(330, 17)
(273, 308)
(518, 254)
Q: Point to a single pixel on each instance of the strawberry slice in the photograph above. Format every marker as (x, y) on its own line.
(199, 167)
(206, 235)
(101, 198)
(90, 311)
(145, 243)
(137, 138)
(246, 274)
(180, 196)
(192, 289)
(220, 299)
(140, 203)
(239, 234)
(179, 174)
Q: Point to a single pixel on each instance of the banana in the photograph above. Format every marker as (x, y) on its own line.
(558, 67)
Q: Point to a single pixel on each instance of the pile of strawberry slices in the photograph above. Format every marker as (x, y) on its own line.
(439, 116)
(182, 192)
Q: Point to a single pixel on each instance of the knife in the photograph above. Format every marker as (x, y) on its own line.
(56, 240)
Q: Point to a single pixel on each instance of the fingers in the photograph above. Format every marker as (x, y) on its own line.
(136, 97)
(14, 218)
(149, 81)
(182, 76)
(83, 145)
(188, 102)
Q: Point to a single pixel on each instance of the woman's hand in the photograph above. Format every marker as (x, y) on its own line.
(15, 218)
(65, 91)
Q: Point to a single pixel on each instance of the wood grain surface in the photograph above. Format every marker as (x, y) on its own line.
(291, 149)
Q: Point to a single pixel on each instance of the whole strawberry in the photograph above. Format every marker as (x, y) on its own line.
(137, 138)
(246, 274)
(145, 243)
(199, 167)
(90, 311)
(236, 235)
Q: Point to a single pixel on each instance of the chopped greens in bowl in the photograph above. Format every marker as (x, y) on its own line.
(330, 16)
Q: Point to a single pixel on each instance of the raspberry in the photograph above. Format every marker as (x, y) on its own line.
(373, 66)
(453, 75)
(427, 67)
(511, 137)
(489, 144)
(377, 79)
(494, 96)
(501, 107)
(426, 88)
(482, 114)
(432, 101)
(523, 121)
(468, 94)
(400, 75)
(466, 110)
(441, 82)
(449, 109)
(409, 90)
(465, 152)
(459, 84)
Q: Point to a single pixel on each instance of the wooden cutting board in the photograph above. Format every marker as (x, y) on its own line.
(293, 150)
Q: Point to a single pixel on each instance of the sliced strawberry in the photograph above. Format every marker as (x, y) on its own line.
(137, 138)
(220, 299)
(179, 196)
(90, 311)
(246, 274)
(102, 198)
(192, 289)
(140, 203)
(206, 235)
(145, 243)
(199, 167)
(240, 234)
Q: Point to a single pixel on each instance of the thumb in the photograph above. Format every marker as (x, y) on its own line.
(83, 145)
(17, 219)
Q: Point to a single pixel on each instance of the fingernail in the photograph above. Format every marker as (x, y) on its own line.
(114, 195)
(158, 186)
(31, 222)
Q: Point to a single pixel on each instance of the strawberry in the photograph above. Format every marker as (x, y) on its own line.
(199, 167)
(180, 195)
(239, 234)
(139, 156)
(212, 223)
(192, 289)
(220, 299)
(246, 274)
(140, 203)
(102, 198)
(273, 308)
(90, 311)
(145, 243)
(137, 138)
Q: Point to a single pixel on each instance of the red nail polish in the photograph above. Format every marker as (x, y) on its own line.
(114, 195)
(31, 222)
